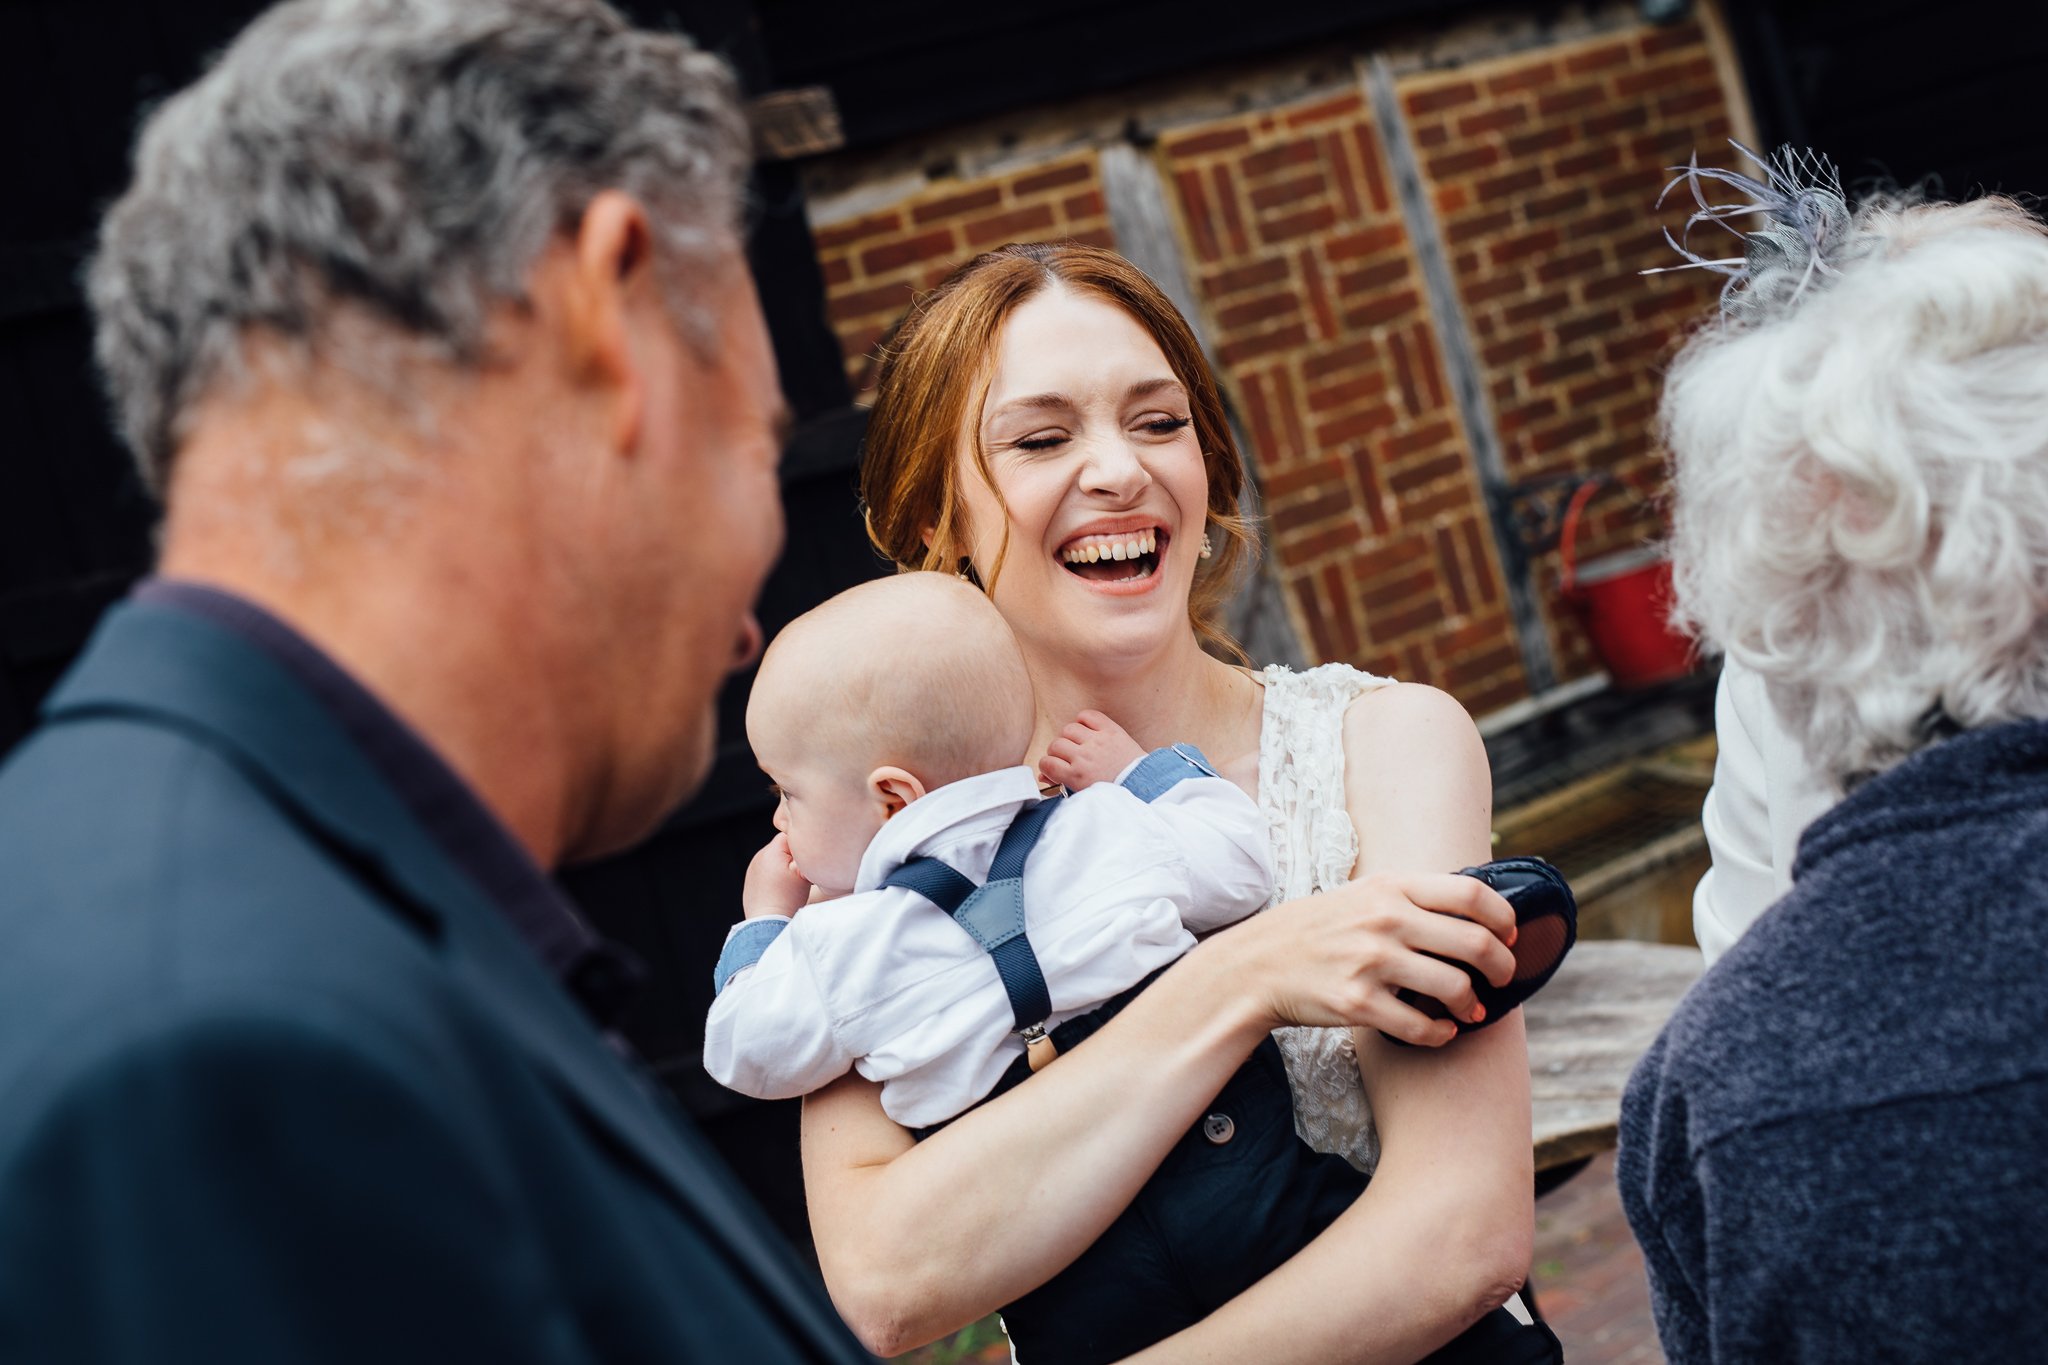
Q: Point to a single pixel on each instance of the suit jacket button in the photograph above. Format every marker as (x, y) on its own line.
(1218, 1128)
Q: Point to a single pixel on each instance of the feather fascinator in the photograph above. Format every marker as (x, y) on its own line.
(1804, 232)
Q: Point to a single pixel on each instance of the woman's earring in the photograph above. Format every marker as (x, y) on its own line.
(1207, 548)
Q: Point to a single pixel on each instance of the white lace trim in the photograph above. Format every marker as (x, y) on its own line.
(1301, 791)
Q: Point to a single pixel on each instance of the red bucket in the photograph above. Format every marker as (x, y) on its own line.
(1624, 602)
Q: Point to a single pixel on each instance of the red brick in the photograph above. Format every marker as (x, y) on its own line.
(1494, 120)
(1449, 164)
(1598, 158)
(1608, 286)
(1406, 372)
(1670, 144)
(1331, 360)
(1371, 241)
(1641, 345)
(1663, 76)
(1430, 135)
(1375, 276)
(1452, 572)
(1089, 205)
(1422, 473)
(909, 250)
(1542, 140)
(1585, 395)
(1214, 140)
(1240, 349)
(837, 270)
(1300, 515)
(1221, 180)
(1688, 102)
(1294, 191)
(891, 299)
(1261, 308)
(1316, 475)
(1567, 267)
(1324, 110)
(1659, 40)
(1347, 184)
(1498, 187)
(874, 225)
(1371, 500)
(1052, 179)
(1418, 439)
(1587, 325)
(1278, 158)
(954, 205)
(1316, 619)
(1384, 309)
(1542, 308)
(1342, 614)
(1510, 249)
(1422, 342)
(1375, 173)
(1597, 59)
(1100, 236)
(1008, 227)
(1489, 583)
(1302, 549)
(1491, 287)
(1620, 119)
(1557, 205)
(1564, 367)
(1600, 224)
(1390, 558)
(1318, 293)
(1441, 97)
(1568, 100)
(1368, 384)
(1354, 426)
(1522, 78)
(1382, 594)
(1292, 226)
(1194, 202)
(1393, 625)
(1564, 434)
(1451, 497)
(1519, 347)
(1243, 277)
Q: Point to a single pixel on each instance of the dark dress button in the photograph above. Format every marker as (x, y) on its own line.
(1218, 1128)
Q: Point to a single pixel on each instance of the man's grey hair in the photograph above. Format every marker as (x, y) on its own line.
(1860, 489)
(401, 163)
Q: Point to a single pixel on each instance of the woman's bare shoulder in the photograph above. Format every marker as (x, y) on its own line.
(1405, 713)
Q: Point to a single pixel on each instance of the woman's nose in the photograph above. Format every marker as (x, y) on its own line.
(780, 820)
(1114, 470)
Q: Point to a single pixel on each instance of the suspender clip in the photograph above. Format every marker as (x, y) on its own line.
(1038, 1045)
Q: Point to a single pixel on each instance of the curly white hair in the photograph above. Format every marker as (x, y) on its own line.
(1860, 482)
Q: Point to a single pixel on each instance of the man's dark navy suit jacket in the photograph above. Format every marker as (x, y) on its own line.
(278, 1084)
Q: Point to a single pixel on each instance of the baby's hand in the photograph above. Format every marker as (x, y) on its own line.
(1093, 748)
(773, 885)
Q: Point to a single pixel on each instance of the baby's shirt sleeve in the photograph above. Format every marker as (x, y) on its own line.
(770, 1031)
(1218, 830)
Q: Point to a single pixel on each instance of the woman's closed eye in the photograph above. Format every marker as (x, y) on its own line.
(1041, 440)
(1164, 425)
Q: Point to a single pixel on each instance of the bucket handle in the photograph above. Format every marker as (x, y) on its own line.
(1568, 537)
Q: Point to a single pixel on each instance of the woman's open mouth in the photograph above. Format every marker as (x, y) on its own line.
(1123, 557)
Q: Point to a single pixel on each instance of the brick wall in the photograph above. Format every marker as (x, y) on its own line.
(875, 264)
(1319, 328)
(1543, 168)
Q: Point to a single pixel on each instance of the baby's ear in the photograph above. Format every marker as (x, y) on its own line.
(893, 788)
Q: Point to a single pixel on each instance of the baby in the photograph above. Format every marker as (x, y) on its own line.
(895, 721)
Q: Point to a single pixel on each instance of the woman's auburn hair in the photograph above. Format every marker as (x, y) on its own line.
(935, 370)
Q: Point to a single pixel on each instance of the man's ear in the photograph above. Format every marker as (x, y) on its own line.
(611, 267)
(893, 788)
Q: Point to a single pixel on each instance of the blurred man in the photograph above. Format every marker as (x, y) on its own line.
(429, 319)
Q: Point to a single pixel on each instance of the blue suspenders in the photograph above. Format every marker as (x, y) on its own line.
(993, 914)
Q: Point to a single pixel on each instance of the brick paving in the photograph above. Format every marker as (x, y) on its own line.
(1589, 1276)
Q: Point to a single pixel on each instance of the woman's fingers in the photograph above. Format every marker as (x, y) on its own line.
(1414, 1027)
(1450, 937)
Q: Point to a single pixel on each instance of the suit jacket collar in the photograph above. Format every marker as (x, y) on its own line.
(166, 667)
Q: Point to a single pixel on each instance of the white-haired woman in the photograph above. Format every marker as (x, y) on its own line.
(1834, 1152)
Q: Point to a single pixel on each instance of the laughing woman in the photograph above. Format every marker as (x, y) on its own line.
(1046, 425)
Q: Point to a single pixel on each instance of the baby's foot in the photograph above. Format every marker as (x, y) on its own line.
(1093, 748)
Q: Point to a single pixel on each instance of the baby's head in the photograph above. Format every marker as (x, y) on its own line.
(888, 691)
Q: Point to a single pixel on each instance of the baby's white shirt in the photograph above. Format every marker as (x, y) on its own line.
(884, 982)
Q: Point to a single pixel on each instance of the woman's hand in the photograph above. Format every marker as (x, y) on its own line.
(1338, 958)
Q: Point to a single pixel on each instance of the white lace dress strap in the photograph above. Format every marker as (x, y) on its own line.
(1301, 791)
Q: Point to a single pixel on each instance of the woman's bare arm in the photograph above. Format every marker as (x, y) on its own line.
(918, 1239)
(1443, 1232)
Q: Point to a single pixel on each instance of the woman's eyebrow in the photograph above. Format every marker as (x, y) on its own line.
(1146, 387)
(1054, 401)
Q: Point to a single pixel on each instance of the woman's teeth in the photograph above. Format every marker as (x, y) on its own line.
(1097, 548)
